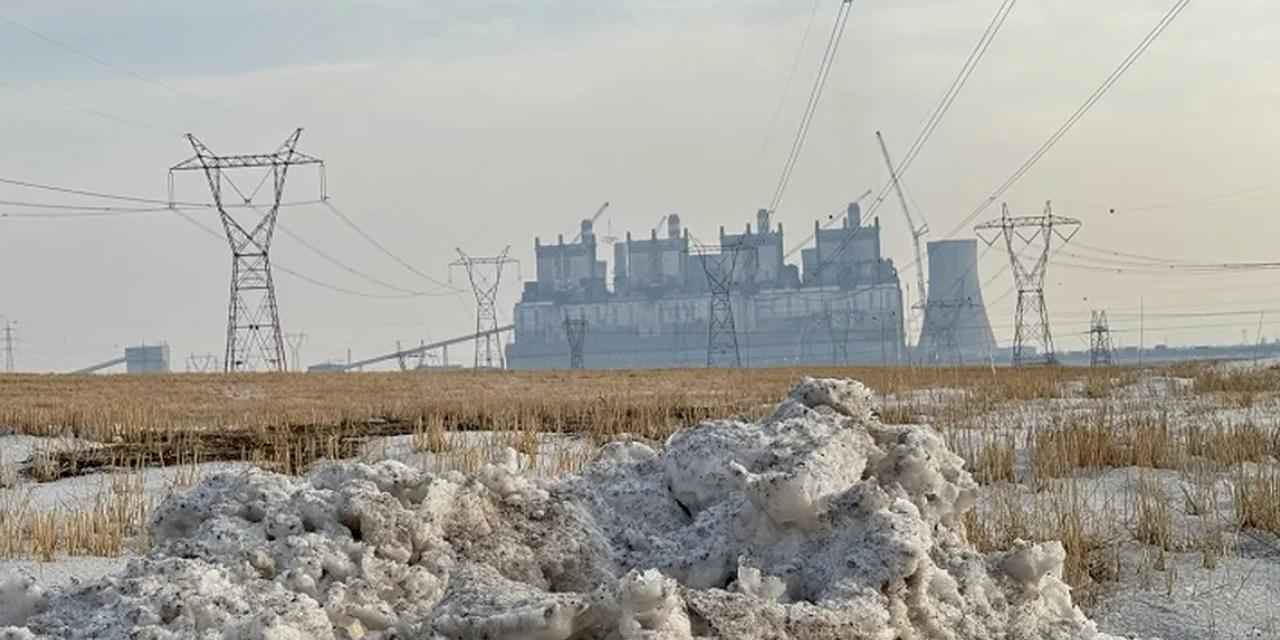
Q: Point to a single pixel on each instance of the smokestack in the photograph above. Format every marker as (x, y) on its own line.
(762, 221)
(854, 215)
(956, 326)
(673, 226)
(588, 234)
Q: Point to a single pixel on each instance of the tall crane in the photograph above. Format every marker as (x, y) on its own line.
(831, 220)
(594, 218)
(916, 232)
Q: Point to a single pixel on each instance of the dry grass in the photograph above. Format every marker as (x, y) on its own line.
(1153, 524)
(1257, 497)
(1063, 514)
(108, 524)
(287, 421)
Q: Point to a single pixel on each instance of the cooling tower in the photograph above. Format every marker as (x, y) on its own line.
(956, 328)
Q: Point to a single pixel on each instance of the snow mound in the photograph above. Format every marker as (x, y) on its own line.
(817, 522)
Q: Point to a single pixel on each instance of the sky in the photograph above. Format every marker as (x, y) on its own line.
(483, 124)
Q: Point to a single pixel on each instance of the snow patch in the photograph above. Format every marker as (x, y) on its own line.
(817, 522)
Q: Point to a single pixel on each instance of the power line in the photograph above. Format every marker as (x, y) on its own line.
(95, 194)
(75, 212)
(350, 269)
(387, 252)
(949, 96)
(815, 96)
(935, 119)
(791, 76)
(185, 215)
(1079, 113)
(101, 62)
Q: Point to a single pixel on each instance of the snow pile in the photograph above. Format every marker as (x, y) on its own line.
(818, 522)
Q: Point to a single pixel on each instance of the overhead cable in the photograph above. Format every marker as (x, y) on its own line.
(185, 215)
(815, 96)
(944, 105)
(1097, 95)
(328, 203)
(935, 118)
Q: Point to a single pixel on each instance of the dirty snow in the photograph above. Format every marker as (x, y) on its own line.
(818, 522)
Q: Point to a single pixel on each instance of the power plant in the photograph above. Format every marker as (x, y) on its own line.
(139, 359)
(956, 327)
(842, 304)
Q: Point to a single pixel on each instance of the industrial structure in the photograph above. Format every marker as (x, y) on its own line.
(1031, 317)
(254, 337)
(139, 359)
(956, 327)
(485, 276)
(1100, 350)
(673, 302)
(8, 346)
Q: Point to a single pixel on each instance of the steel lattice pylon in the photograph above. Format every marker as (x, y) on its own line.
(945, 344)
(575, 331)
(254, 338)
(838, 320)
(1099, 340)
(722, 334)
(1031, 319)
(485, 287)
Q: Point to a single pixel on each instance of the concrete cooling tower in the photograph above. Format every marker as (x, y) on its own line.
(956, 328)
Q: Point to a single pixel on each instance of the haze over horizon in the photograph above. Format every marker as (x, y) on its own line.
(486, 124)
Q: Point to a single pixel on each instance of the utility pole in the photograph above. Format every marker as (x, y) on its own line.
(575, 331)
(1258, 340)
(722, 334)
(8, 346)
(485, 276)
(1100, 340)
(254, 338)
(1031, 321)
(1142, 329)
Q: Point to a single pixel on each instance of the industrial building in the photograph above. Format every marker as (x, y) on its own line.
(956, 327)
(842, 304)
(140, 359)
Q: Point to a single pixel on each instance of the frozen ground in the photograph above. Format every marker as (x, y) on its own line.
(1240, 598)
(818, 522)
(735, 542)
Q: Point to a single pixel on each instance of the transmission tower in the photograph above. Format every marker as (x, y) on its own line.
(722, 335)
(295, 341)
(202, 363)
(8, 346)
(485, 276)
(254, 338)
(575, 331)
(412, 361)
(837, 322)
(1099, 340)
(945, 342)
(1031, 320)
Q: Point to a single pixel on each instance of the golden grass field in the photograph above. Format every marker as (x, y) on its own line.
(285, 422)
(291, 420)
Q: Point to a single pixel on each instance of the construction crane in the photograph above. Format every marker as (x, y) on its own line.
(916, 232)
(599, 212)
(826, 224)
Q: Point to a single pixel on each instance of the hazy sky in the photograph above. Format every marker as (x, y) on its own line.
(484, 123)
